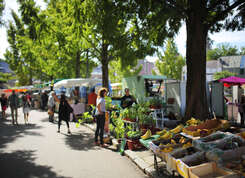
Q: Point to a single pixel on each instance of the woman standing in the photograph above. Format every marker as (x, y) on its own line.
(64, 112)
(100, 115)
(26, 107)
(241, 109)
(4, 105)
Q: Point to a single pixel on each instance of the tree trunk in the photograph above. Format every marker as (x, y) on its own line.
(30, 77)
(78, 65)
(105, 62)
(87, 66)
(196, 97)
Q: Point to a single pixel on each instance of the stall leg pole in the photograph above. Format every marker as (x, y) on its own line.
(155, 164)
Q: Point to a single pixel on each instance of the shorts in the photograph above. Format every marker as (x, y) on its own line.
(26, 110)
(4, 108)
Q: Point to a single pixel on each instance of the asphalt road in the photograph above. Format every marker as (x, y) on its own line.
(38, 151)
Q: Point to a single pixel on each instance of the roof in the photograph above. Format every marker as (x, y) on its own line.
(212, 64)
(231, 61)
(4, 67)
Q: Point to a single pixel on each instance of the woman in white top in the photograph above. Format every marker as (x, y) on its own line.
(100, 115)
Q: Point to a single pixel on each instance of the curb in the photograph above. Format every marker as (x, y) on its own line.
(146, 168)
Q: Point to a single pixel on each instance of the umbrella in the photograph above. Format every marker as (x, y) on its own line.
(233, 80)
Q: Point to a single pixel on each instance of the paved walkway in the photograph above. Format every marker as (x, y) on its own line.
(37, 150)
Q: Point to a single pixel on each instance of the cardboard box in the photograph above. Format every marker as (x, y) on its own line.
(171, 163)
(184, 170)
(211, 171)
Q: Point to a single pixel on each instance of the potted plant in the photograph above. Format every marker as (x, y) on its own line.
(133, 140)
(155, 103)
(129, 114)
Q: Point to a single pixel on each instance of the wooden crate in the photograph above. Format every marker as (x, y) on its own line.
(184, 170)
(211, 171)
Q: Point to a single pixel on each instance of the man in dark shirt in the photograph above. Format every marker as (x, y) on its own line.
(127, 100)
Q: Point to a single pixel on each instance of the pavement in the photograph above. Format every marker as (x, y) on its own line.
(143, 158)
(38, 151)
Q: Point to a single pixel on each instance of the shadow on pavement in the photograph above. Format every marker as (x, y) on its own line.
(20, 164)
(81, 141)
(9, 132)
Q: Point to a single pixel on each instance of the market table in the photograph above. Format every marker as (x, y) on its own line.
(78, 108)
(146, 143)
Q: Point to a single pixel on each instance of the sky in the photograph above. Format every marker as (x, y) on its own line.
(234, 38)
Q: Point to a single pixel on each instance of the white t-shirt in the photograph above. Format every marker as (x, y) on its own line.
(100, 101)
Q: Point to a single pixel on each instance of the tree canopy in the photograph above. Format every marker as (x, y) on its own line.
(170, 64)
(161, 19)
(223, 74)
(2, 5)
(223, 49)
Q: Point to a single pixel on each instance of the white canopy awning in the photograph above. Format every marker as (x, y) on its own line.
(68, 83)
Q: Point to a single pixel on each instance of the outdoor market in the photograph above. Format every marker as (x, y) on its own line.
(153, 121)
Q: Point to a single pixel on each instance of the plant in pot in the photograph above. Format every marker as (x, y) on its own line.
(133, 140)
(129, 114)
(146, 122)
(119, 128)
(155, 103)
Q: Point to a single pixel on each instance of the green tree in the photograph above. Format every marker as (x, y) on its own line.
(117, 72)
(2, 6)
(223, 74)
(161, 19)
(170, 64)
(242, 51)
(224, 49)
(112, 34)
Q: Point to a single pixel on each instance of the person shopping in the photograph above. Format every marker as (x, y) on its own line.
(64, 113)
(51, 106)
(14, 103)
(26, 107)
(241, 109)
(100, 116)
(4, 105)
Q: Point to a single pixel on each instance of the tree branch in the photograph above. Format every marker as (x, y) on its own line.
(220, 16)
(217, 2)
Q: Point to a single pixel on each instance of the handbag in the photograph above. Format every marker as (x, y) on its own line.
(50, 112)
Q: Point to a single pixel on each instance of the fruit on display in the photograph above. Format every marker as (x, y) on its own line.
(182, 140)
(168, 149)
(162, 132)
(146, 135)
(166, 136)
(204, 128)
(193, 122)
(177, 129)
(187, 145)
(242, 134)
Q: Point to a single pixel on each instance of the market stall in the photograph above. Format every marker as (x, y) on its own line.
(76, 91)
(230, 82)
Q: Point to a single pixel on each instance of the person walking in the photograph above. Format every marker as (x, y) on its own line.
(45, 100)
(64, 113)
(100, 116)
(51, 106)
(241, 109)
(26, 107)
(4, 105)
(14, 103)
